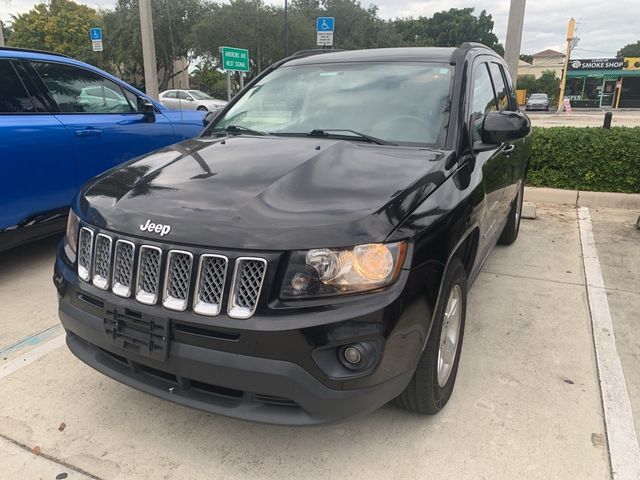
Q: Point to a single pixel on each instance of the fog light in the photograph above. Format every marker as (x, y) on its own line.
(352, 355)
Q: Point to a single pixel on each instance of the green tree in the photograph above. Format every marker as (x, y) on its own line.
(449, 28)
(631, 50)
(60, 26)
(173, 23)
(208, 78)
(547, 83)
(526, 58)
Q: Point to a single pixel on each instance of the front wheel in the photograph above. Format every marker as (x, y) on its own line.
(432, 383)
(202, 108)
(511, 229)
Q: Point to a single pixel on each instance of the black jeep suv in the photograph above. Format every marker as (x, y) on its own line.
(308, 257)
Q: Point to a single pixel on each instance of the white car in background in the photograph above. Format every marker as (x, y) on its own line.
(190, 100)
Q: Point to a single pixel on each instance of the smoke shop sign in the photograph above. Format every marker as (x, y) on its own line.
(597, 64)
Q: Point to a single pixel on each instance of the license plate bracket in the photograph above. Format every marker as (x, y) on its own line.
(137, 332)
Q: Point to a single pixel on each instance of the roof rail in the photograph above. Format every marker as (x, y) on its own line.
(30, 50)
(470, 45)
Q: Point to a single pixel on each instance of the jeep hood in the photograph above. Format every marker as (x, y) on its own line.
(266, 193)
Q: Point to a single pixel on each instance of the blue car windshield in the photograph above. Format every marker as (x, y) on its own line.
(399, 102)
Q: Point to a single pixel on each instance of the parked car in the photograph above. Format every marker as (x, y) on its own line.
(191, 100)
(61, 123)
(538, 101)
(308, 257)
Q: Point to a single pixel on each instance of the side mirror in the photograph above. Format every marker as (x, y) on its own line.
(208, 118)
(189, 99)
(149, 111)
(500, 127)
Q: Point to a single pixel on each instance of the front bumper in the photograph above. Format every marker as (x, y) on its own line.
(265, 376)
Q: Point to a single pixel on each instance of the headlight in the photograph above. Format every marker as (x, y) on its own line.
(322, 272)
(73, 225)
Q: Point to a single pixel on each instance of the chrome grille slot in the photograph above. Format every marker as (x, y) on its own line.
(177, 279)
(123, 268)
(148, 279)
(102, 261)
(248, 277)
(85, 252)
(212, 272)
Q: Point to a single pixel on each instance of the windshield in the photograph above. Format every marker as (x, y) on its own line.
(538, 96)
(402, 103)
(198, 95)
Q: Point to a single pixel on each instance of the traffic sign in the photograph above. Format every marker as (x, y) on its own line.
(324, 29)
(96, 45)
(235, 59)
(95, 34)
(325, 24)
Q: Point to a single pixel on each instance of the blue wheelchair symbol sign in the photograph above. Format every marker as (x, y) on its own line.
(325, 24)
(96, 34)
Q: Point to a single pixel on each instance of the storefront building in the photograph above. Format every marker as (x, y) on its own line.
(604, 82)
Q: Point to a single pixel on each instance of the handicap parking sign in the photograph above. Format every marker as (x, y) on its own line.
(96, 34)
(325, 24)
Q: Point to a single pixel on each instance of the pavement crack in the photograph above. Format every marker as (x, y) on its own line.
(51, 458)
(563, 282)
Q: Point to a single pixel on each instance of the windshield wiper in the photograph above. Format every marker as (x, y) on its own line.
(325, 132)
(237, 130)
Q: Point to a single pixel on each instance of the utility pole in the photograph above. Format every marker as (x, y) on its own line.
(286, 29)
(514, 38)
(563, 83)
(148, 49)
(1, 35)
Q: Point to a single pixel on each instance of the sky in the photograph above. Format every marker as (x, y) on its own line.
(603, 27)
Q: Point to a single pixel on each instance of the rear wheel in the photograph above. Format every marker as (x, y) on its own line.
(432, 384)
(511, 229)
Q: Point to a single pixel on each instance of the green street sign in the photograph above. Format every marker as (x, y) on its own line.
(235, 59)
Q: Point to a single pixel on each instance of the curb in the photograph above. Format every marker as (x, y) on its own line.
(629, 201)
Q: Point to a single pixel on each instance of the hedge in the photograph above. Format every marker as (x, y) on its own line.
(592, 159)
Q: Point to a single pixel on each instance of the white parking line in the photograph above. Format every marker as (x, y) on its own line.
(31, 356)
(618, 416)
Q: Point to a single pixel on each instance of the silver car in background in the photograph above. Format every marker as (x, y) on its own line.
(538, 101)
(190, 100)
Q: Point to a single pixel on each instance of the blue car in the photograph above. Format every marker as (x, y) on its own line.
(61, 123)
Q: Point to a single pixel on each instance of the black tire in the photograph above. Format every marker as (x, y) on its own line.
(424, 395)
(512, 228)
(202, 108)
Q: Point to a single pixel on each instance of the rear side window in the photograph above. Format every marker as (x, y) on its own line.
(502, 92)
(80, 91)
(172, 94)
(13, 96)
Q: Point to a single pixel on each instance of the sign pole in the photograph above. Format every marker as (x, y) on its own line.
(241, 80)
(570, 33)
(228, 86)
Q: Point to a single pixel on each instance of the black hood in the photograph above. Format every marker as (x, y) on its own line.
(266, 193)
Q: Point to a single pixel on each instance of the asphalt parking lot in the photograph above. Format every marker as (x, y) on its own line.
(527, 403)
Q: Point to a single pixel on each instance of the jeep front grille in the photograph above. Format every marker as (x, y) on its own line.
(85, 252)
(246, 286)
(212, 273)
(102, 261)
(123, 268)
(139, 270)
(177, 280)
(148, 283)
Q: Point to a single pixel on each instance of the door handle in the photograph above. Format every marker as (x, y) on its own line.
(88, 132)
(508, 149)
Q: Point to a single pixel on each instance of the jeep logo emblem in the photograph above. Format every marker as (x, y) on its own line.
(156, 228)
